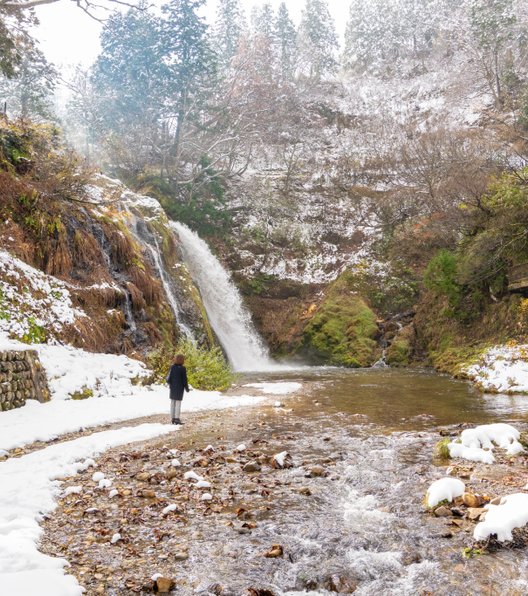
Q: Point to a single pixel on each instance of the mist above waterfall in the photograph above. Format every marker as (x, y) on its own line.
(229, 318)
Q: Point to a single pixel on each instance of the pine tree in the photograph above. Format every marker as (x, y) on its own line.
(317, 39)
(262, 19)
(129, 78)
(29, 92)
(492, 23)
(229, 26)
(191, 64)
(285, 41)
(369, 34)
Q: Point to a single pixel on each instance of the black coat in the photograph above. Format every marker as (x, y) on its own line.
(177, 381)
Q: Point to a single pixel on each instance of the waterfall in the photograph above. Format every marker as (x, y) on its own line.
(229, 318)
(148, 239)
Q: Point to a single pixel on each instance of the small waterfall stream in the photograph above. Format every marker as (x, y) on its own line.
(149, 240)
(227, 314)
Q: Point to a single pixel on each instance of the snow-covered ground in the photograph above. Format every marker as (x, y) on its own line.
(29, 484)
(502, 369)
(28, 488)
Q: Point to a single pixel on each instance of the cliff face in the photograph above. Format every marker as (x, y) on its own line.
(84, 260)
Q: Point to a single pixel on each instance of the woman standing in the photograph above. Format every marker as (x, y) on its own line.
(177, 381)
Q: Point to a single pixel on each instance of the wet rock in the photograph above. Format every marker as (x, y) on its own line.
(459, 471)
(473, 500)
(316, 472)
(340, 584)
(147, 493)
(252, 466)
(275, 551)
(281, 460)
(171, 473)
(475, 513)
(163, 585)
(443, 511)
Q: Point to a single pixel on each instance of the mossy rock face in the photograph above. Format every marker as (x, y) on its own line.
(344, 329)
(400, 352)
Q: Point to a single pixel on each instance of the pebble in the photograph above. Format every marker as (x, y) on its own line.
(252, 466)
(316, 471)
(97, 476)
(443, 511)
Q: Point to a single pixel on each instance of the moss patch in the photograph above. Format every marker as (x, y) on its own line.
(400, 351)
(344, 329)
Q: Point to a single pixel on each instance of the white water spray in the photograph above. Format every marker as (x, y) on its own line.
(229, 319)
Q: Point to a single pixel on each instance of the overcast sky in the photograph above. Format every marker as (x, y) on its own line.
(69, 36)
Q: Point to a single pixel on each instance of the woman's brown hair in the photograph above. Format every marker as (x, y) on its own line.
(180, 359)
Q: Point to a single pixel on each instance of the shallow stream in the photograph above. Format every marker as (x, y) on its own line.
(364, 529)
(349, 514)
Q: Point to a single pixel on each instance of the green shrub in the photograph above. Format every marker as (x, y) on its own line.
(441, 277)
(83, 393)
(207, 368)
(36, 334)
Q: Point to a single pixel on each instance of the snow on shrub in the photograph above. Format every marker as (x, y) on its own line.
(477, 444)
(445, 489)
(512, 512)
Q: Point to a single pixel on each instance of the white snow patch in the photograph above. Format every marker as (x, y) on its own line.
(191, 475)
(115, 538)
(502, 369)
(477, 443)
(241, 447)
(280, 458)
(169, 508)
(512, 512)
(116, 398)
(28, 487)
(206, 497)
(72, 490)
(203, 484)
(32, 299)
(444, 489)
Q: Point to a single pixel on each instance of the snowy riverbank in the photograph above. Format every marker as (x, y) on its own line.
(30, 484)
(501, 369)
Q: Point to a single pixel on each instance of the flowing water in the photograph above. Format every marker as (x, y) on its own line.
(148, 238)
(364, 528)
(229, 318)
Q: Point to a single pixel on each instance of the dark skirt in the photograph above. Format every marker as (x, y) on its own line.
(176, 394)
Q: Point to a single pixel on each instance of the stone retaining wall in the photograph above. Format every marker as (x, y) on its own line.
(21, 377)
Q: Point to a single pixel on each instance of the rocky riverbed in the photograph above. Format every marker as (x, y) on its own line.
(219, 508)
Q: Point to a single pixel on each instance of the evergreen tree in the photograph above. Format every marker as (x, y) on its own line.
(285, 40)
(317, 39)
(191, 64)
(129, 78)
(492, 23)
(229, 27)
(29, 92)
(262, 19)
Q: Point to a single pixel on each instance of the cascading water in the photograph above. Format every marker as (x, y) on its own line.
(149, 240)
(227, 315)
